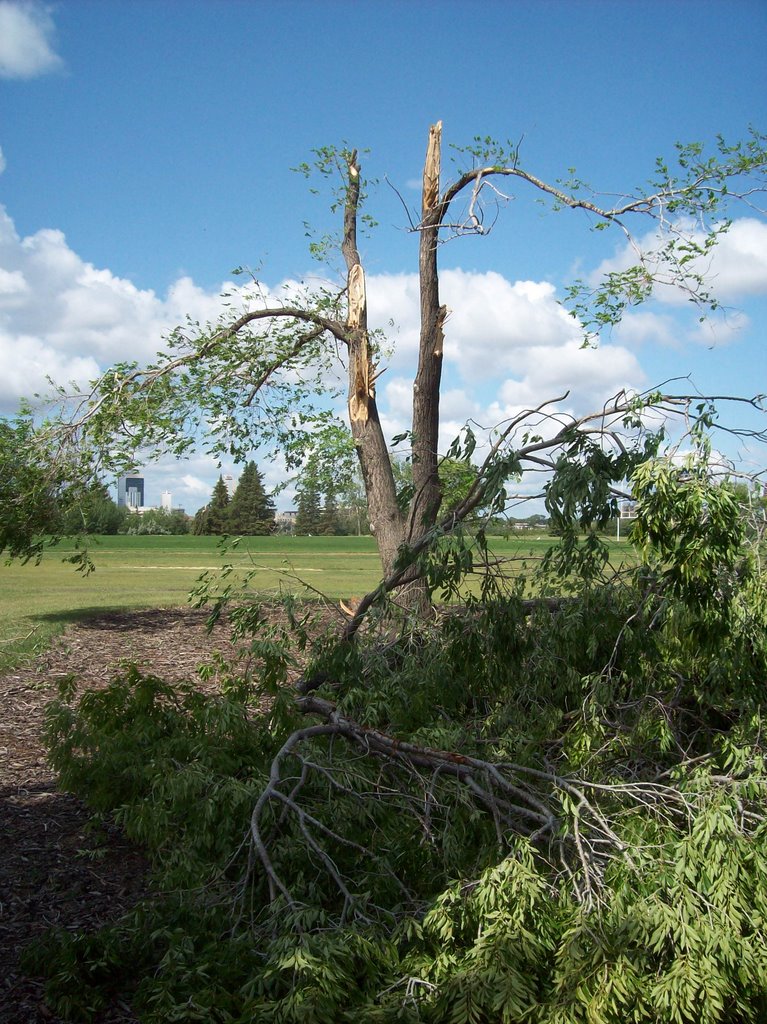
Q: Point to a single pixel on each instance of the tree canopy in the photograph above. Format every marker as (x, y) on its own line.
(213, 518)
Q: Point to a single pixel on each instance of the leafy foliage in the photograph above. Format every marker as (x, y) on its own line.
(309, 511)
(547, 810)
(156, 521)
(28, 507)
(40, 502)
(91, 512)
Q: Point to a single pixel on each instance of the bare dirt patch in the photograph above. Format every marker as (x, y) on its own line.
(46, 875)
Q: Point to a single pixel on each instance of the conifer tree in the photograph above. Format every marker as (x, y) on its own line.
(216, 517)
(200, 522)
(251, 510)
(329, 520)
(309, 514)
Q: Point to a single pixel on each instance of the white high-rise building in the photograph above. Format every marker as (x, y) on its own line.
(165, 501)
(230, 485)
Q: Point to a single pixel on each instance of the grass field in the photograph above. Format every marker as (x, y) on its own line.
(37, 601)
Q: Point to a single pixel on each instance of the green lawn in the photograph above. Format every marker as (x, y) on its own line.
(37, 601)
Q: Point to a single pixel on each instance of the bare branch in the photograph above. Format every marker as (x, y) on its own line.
(569, 817)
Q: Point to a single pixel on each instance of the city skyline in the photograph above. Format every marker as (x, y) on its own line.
(131, 494)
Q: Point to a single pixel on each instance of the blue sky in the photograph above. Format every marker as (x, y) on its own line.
(146, 149)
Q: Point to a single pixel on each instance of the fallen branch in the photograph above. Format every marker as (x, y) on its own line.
(569, 819)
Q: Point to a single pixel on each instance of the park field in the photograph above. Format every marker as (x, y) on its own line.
(38, 601)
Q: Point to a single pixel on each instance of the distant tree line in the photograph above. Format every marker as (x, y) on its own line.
(249, 512)
(156, 521)
(94, 511)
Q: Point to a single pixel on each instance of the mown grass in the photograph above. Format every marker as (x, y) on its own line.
(38, 601)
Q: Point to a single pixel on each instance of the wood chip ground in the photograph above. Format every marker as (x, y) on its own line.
(46, 876)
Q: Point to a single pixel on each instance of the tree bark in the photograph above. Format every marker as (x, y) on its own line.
(385, 517)
(390, 527)
(427, 494)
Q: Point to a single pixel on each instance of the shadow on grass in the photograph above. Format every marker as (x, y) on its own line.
(46, 626)
(123, 619)
(68, 615)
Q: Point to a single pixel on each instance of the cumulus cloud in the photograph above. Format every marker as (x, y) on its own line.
(494, 320)
(508, 344)
(640, 328)
(27, 36)
(457, 407)
(491, 319)
(589, 377)
(62, 317)
(738, 266)
(735, 268)
(193, 485)
(27, 363)
(724, 329)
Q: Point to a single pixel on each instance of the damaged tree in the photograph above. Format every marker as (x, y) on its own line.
(257, 376)
(548, 810)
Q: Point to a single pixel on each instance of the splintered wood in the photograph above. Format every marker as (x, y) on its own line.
(361, 390)
(431, 168)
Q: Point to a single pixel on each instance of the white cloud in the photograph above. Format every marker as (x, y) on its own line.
(27, 361)
(26, 40)
(739, 262)
(721, 328)
(640, 328)
(510, 343)
(12, 282)
(494, 320)
(63, 317)
(735, 267)
(491, 319)
(589, 377)
(193, 485)
(393, 305)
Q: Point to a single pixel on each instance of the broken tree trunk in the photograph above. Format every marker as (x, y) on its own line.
(370, 443)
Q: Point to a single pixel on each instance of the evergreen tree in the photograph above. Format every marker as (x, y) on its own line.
(200, 522)
(329, 519)
(353, 510)
(214, 517)
(251, 510)
(309, 514)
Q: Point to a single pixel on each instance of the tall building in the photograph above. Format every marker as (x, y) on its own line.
(130, 491)
(165, 501)
(230, 485)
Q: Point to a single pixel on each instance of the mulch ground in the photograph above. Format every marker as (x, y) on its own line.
(46, 876)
